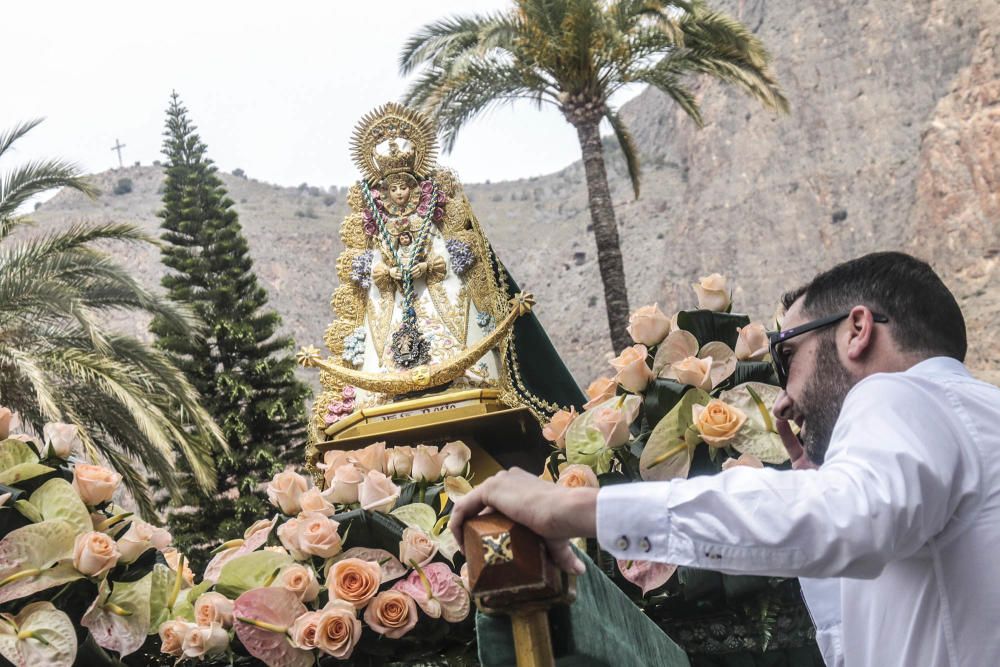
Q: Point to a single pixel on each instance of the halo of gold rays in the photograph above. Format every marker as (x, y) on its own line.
(393, 121)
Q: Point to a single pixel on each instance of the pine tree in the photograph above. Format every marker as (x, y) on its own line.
(244, 372)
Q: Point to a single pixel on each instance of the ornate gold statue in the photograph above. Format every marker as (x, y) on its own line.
(423, 306)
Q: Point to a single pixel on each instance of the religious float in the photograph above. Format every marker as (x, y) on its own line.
(437, 375)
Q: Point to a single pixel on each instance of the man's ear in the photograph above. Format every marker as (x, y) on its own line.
(861, 332)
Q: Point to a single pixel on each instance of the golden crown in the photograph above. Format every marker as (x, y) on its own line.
(384, 127)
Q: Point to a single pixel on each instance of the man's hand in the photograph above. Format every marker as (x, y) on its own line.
(793, 446)
(553, 512)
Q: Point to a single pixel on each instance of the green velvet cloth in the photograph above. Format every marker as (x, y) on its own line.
(602, 628)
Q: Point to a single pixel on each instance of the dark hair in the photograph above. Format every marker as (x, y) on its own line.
(923, 314)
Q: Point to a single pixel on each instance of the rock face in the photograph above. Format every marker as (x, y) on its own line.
(892, 143)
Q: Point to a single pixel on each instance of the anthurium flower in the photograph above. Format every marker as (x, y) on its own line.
(119, 617)
(39, 635)
(438, 592)
(759, 436)
(263, 618)
(647, 575)
(679, 358)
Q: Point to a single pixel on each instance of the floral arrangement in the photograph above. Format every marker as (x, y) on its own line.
(362, 568)
(693, 395)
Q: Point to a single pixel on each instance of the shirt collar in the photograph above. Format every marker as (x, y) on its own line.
(937, 366)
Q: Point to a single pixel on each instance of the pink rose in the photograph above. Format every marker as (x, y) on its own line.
(172, 634)
(5, 416)
(303, 630)
(399, 461)
(369, 228)
(577, 475)
(377, 492)
(299, 579)
(313, 501)
(342, 485)
(62, 439)
(94, 484)
(633, 373)
(205, 641)
(212, 608)
(94, 554)
(354, 581)
(391, 613)
(416, 547)
(348, 393)
(371, 457)
(694, 371)
(338, 630)
(713, 294)
(456, 456)
(648, 325)
(316, 535)
(752, 344)
(599, 391)
(284, 490)
(555, 430)
(426, 464)
(613, 425)
(139, 537)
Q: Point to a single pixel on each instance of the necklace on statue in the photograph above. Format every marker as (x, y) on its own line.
(409, 346)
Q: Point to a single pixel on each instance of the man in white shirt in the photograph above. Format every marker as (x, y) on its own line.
(895, 489)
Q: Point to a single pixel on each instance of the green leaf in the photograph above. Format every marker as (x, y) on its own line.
(708, 326)
(57, 499)
(23, 471)
(44, 636)
(661, 397)
(417, 515)
(751, 371)
(15, 452)
(251, 571)
(670, 449)
(184, 605)
(46, 546)
(120, 621)
(29, 511)
(161, 580)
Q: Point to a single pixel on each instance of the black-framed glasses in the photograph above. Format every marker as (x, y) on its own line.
(776, 339)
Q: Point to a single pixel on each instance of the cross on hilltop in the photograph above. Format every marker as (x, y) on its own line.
(118, 147)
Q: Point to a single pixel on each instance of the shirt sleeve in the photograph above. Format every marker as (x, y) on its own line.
(894, 474)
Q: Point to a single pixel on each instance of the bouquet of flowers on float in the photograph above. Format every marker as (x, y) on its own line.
(79, 576)
(363, 568)
(693, 396)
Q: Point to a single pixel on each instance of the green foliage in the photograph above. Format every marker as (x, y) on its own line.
(123, 186)
(59, 362)
(242, 369)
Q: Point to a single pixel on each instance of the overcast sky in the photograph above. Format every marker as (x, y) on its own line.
(275, 88)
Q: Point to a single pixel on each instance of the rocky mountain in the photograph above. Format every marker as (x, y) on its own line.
(892, 143)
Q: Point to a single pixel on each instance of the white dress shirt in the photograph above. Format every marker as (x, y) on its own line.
(905, 511)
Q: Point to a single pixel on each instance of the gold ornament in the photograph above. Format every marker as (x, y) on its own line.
(381, 129)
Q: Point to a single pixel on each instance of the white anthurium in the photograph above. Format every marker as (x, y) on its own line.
(39, 635)
(36, 557)
(758, 436)
(119, 618)
(680, 358)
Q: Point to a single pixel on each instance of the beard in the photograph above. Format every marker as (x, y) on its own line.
(822, 399)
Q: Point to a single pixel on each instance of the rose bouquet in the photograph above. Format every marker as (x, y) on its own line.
(693, 396)
(361, 571)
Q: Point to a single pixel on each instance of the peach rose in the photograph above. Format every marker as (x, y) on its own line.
(172, 634)
(316, 535)
(371, 457)
(354, 580)
(745, 460)
(694, 371)
(94, 554)
(577, 475)
(648, 325)
(633, 373)
(713, 294)
(288, 535)
(426, 464)
(333, 459)
(94, 484)
(303, 630)
(456, 456)
(62, 439)
(555, 430)
(5, 417)
(377, 492)
(399, 461)
(391, 613)
(338, 629)
(718, 422)
(173, 558)
(205, 641)
(599, 391)
(299, 579)
(212, 608)
(752, 345)
(416, 547)
(285, 489)
(313, 501)
(342, 484)
(139, 537)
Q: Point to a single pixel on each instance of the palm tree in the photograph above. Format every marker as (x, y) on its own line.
(574, 55)
(58, 362)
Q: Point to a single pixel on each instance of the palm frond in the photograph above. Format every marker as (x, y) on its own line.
(34, 178)
(629, 150)
(8, 138)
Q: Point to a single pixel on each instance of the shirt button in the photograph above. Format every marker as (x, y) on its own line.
(645, 545)
(621, 543)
